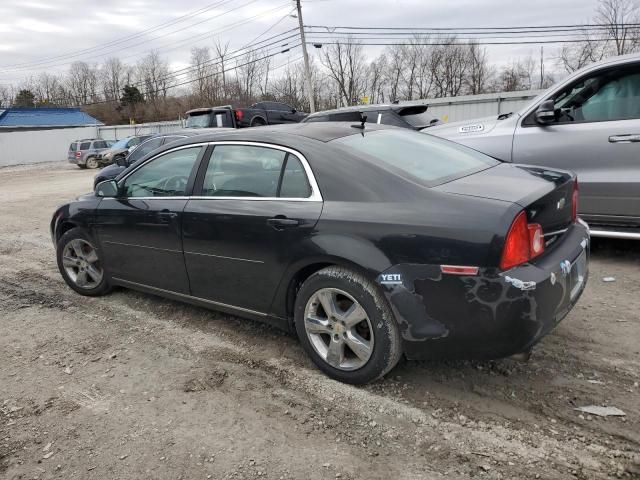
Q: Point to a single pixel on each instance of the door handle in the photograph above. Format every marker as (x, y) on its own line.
(627, 138)
(282, 222)
(167, 216)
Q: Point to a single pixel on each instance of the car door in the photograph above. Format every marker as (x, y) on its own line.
(253, 213)
(287, 114)
(140, 231)
(596, 133)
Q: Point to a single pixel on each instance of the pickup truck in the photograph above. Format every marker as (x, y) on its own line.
(261, 113)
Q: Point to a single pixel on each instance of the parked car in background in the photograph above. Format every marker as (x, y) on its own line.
(415, 117)
(85, 153)
(267, 113)
(211, 117)
(149, 145)
(588, 123)
(369, 243)
(120, 149)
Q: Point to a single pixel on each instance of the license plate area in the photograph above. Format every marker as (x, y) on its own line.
(578, 275)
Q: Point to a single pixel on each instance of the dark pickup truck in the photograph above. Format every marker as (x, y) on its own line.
(261, 113)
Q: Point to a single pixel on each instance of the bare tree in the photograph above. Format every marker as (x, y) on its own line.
(616, 16)
(345, 63)
(479, 72)
(153, 74)
(82, 83)
(202, 73)
(222, 53)
(113, 77)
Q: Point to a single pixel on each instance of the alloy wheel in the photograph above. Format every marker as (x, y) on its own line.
(92, 162)
(339, 329)
(81, 263)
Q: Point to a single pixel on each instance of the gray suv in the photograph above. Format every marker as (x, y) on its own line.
(590, 124)
(86, 153)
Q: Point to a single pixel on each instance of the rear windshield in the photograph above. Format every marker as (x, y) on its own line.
(211, 119)
(417, 156)
(416, 116)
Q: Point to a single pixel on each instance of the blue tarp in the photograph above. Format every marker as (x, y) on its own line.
(45, 117)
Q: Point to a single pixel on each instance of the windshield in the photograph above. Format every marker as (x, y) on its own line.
(120, 143)
(416, 116)
(419, 157)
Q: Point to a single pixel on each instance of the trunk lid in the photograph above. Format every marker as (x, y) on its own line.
(545, 194)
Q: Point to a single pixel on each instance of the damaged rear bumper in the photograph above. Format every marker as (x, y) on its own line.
(492, 314)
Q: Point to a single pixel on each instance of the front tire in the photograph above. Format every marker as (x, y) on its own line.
(92, 162)
(346, 326)
(80, 263)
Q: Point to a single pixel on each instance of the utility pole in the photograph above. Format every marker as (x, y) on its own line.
(307, 71)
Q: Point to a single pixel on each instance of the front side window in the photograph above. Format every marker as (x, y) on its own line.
(606, 96)
(164, 176)
(243, 171)
(143, 149)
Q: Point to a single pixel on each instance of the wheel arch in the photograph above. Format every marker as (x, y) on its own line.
(258, 116)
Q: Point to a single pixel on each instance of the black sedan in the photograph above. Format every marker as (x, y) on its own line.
(370, 243)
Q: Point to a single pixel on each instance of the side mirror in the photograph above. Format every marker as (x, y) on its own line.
(107, 189)
(293, 110)
(546, 112)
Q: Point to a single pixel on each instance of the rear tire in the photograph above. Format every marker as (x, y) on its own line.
(347, 351)
(258, 122)
(80, 263)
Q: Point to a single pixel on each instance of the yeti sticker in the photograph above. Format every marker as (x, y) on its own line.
(391, 279)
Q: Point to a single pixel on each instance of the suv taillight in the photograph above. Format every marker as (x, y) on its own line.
(239, 114)
(78, 154)
(574, 201)
(524, 241)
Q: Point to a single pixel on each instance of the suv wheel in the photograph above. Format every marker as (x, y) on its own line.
(92, 162)
(80, 263)
(346, 326)
(258, 122)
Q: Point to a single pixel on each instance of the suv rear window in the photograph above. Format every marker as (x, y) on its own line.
(85, 146)
(416, 116)
(419, 157)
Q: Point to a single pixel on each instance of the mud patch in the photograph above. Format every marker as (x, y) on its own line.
(214, 380)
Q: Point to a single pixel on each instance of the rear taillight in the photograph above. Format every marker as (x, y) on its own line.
(574, 201)
(524, 241)
(78, 154)
(239, 114)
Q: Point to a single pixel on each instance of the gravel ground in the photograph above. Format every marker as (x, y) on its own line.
(131, 386)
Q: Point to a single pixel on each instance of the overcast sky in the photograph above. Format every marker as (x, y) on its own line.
(37, 30)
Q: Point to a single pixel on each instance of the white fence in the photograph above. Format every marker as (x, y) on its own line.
(35, 146)
(454, 109)
(116, 132)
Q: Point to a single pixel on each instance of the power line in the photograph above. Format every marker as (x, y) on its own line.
(577, 26)
(144, 41)
(124, 39)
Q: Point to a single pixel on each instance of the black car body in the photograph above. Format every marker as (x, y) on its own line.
(412, 116)
(211, 117)
(463, 256)
(267, 113)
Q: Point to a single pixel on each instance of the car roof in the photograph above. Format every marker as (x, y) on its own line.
(320, 131)
(369, 108)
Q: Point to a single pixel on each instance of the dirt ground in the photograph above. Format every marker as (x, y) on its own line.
(131, 386)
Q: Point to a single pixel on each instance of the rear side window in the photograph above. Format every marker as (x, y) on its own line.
(345, 117)
(294, 179)
(419, 157)
(243, 171)
(85, 145)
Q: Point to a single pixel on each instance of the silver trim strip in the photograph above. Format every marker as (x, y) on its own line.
(182, 295)
(557, 232)
(222, 256)
(143, 246)
(315, 196)
(615, 234)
